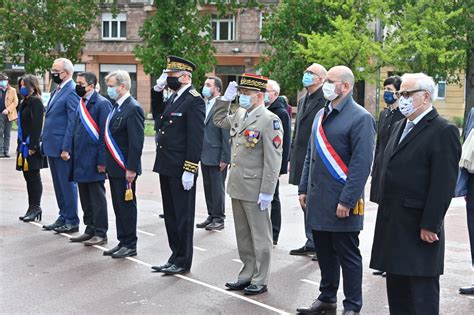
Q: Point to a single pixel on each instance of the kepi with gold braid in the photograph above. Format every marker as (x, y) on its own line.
(174, 63)
(190, 167)
(253, 82)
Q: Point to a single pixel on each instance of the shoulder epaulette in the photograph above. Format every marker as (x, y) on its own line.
(194, 93)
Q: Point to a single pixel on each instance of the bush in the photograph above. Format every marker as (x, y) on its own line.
(458, 121)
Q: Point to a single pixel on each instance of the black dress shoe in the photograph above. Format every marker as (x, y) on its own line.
(214, 226)
(34, 215)
(59, 222)
(303, 251)
(377, 273)
(125, 252)
(160, 268)
(202, 225)
(174, 270)
(467, 290)
(347, 312)
(237, 285)
(255, 289)
(275, 243)
(67, 228)
(82, 238)
(161, 215)
(111, 251)
(96, 240)
(26, 214)
(314, 258)
(318, 307)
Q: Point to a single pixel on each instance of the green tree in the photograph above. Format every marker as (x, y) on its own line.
(36, 32)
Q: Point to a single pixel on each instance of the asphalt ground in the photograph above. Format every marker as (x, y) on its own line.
(42, 273)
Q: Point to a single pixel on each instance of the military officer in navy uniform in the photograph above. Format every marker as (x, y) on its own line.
(179, 142)
(124, 137)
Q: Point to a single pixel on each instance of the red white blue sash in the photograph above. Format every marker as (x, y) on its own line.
(329, 156)
(112, 145)
(88, 122)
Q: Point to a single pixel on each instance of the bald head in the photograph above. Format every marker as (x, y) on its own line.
(343, 74)
(317, 69)
(339, 83)
(315, 74)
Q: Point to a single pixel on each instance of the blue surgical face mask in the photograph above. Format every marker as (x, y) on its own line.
(112, 92)
(206, 92)
(245, 101)
(307, 79)
(3, 83)
(389, 97)
(24, 91)
(266, 99)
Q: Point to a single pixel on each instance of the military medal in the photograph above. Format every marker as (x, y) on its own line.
(252, 138)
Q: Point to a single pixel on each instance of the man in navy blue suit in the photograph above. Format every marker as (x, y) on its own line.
(57, 141)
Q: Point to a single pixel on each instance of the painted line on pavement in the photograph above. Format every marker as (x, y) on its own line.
(146, 233)
(310, 282)
(237, 261)
(209, 286)
(200, 249)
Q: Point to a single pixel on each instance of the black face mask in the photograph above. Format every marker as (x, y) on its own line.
(173, 83)
(56, 78)
(81, 90)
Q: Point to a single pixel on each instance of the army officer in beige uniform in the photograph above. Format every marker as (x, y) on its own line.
(256, 137)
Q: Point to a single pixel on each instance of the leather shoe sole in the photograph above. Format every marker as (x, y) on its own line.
(64, 229)
(237, 286)
(214, 226)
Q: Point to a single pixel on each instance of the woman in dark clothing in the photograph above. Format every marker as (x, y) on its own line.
(29, 158)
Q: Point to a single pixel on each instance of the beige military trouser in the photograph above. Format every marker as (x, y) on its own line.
(253, 230)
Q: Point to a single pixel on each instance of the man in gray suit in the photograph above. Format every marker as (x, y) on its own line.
(214, 159)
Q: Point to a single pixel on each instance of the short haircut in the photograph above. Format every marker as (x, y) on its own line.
(67, 65)
(274, 86)
(217, 82)
(31, 82)
(423, 82)
(90, 78)
(122, 77)
(395, 80)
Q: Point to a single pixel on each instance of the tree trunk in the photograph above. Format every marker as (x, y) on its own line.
(469, 96)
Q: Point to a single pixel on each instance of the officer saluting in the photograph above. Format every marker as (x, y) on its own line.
(179, 141)
(256, 136)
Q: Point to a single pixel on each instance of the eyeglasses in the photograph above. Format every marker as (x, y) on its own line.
(56, 72)
(312, 73)
(407, 94)
(332, 81)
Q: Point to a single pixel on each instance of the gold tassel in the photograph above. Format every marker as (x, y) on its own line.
(361, 207)
(25, 166)
(356, 208)
(128, 193)
(20, 160)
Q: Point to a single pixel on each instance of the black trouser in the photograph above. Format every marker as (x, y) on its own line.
(413, 295)
(125, 213)
(179, 207)
(34, 186)
(94, 206)
(336, 251)
(214, 190)
(470, 213)
(276, 213)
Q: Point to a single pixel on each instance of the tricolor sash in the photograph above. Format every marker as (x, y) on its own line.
(88, 122)
(23, 147)
(112, 145)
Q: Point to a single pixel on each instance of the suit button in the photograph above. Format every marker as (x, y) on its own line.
(161, 147)
(161, 117)
(233, 164)
(159, 130)
(312, 185)
(255, 175)
(236, 144)
(235, 154)
(171, 121)
(162, 132)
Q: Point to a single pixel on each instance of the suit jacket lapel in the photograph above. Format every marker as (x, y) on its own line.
(311, 104)
(56, 95)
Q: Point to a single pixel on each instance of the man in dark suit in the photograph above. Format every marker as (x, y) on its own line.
(178, 151)
(88, 167)
(214, 159)
(308, 106)
(418, 178)
(124, 137)
(57, 145)
(278, 106)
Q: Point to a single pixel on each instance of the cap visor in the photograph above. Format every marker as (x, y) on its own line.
(248, 88)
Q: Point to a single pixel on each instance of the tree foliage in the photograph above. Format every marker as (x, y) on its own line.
(36, 32)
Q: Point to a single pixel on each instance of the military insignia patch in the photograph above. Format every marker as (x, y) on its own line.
(277, 142)
(194, 93)
(276, 125)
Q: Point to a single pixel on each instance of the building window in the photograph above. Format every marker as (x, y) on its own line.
(223, 28)
(105, 69)
(441, 89)
(114, 28)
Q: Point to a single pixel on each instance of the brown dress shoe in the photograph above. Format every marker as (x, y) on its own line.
(96, 240)
(81, 238)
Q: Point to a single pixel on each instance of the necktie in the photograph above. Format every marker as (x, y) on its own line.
(409, 126)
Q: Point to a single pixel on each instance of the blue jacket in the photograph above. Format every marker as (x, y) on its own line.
(461, 185)
(350, 129)
(88, 154)
(59, 121)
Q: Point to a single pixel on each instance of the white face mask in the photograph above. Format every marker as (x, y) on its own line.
(329, 90)
(406, 106)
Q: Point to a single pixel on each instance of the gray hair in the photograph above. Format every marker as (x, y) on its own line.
(122, 77)
(274, 86)
(67, 65)
(423, 82)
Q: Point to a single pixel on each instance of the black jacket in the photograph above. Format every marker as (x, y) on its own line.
(279, 108)
(303, 124)
(387, 119)
(417, 182)
(157, 106)
(127, 129)
(180, 134)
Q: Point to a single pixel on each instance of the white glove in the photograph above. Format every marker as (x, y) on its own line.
(230, 92)
(187, 180)
(264, 200)
(161, 82)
